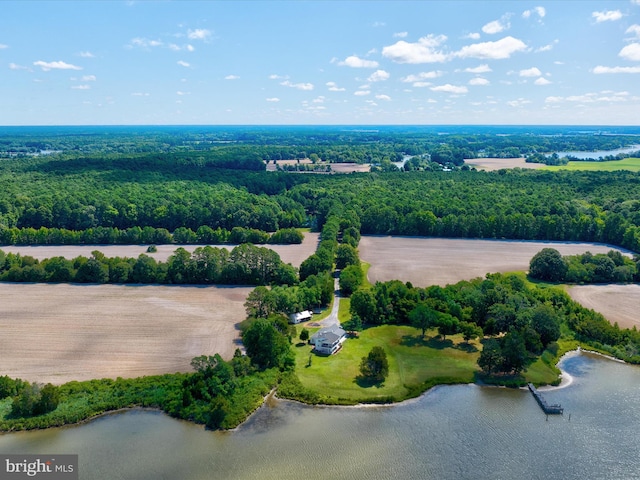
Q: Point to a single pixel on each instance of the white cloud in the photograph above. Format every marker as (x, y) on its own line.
(272, 99)
(606, 96)
(383, 97)
(518, 103)
(497, 26)
(319, 99)
(530, 72)
(421, 76)
(497, 50)
(198, 34)
(423, 51)
(299, 86)
(631, 52)
(484, 68)
(3, 46)
(545, 48)
(378, 24)
(421, 84)
(15, 66)
(608, 16)
(448, 88)
(600, 70)
(634, 30)
(140, 94)
(81, 87)
(333, 87)
(182, 63)
(181, 93)
(378, 76)
(275, 76)
(174, 47)
(541, 81)
(479, 81)
(361, 93)
(356, 62)
(401, 34)
(88, 78)
(231, 77)
(189, 48)
(472, 36)
(540, 11)
(141, 42)
(59, 65)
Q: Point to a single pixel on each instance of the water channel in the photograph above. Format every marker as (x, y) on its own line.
(452, 432)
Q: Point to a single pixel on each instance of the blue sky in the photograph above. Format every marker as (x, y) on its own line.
(319, 62)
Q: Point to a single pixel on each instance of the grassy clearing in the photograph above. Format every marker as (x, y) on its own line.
(414, 365)
(631, 164)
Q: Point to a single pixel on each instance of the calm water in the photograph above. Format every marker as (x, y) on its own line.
(599, 153)
(460, 432)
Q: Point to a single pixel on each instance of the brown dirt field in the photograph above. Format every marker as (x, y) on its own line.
(350, 167)
(293, 254)
(491, 164)
(60, 332)
(439, 261)
(618, 303)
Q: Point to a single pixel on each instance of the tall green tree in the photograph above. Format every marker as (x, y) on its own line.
(375, 366)
(422, 317)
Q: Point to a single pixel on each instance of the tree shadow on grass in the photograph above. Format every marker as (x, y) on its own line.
(467, 347)
(366, 382)
(418, 341)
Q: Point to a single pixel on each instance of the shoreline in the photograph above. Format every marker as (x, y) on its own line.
(271, 399)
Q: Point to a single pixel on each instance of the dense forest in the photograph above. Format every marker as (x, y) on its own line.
(115, 186)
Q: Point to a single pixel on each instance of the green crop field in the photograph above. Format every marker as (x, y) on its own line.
(631, 164)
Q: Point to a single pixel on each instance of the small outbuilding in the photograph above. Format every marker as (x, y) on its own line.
(299, 317)
(328, 340)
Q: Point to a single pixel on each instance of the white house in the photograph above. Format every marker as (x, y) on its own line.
(300, 316)
(328, 340)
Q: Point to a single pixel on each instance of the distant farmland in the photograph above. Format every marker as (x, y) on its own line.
(440, 261)
(631, 164)
(293, 254)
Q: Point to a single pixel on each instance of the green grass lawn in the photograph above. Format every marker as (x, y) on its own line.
(631, 164)
(414, 365)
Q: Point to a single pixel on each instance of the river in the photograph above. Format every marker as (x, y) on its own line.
(451, 432)
(599, 153)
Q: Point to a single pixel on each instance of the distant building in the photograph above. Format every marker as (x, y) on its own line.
(300, 316)
(328, 340)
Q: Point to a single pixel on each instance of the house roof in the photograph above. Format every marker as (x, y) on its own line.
(330, 334)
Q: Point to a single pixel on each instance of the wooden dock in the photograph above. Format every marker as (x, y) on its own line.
(546, 408)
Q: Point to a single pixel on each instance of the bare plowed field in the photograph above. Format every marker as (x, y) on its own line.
(439, 261)
(293, 254)
(60, 332)
(618, 303)
(491, 164)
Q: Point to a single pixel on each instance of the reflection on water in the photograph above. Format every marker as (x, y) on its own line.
(457, 432)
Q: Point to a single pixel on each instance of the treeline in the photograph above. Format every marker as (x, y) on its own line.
(35, 195)
(245, 264)
(148, 235)
(220, 394)
(528, 205)
(300, 141)
(610, 267)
